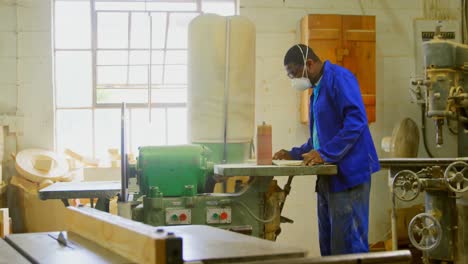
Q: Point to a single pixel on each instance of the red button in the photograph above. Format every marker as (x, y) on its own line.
(183, 217)
(223, 216)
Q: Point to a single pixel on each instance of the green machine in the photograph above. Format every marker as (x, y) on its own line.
(173, 181)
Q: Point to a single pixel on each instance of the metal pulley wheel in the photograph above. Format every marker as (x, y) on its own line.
(406, 185)
(456, 176)
(425, 232)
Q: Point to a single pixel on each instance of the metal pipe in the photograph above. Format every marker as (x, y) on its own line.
(423, 130)
(394, 218)
(150, 64)
(123, 159)
(226, 88)
(439, 123)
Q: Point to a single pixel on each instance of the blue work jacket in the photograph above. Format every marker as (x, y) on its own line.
(342, 129)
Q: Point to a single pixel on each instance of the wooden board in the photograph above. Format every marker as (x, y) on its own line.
(132, 240)
(4, 222)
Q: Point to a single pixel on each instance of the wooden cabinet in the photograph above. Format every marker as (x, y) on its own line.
(346, 40)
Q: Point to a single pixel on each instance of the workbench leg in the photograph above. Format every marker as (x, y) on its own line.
(65, 202)
(103, 204)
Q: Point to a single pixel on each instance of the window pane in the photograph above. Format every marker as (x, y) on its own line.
(112, 30)
(186, 5)
(74, 131)
(169, 95)
(72, 25)
(72, 91)
(156, 74)
(119, 5)
(141, 57)
(112, 57)
(138, 75)
(144, 133)
(177, 126)
(178, 30)
(109, 76)
(117, 96)
(157, 57)
(220, 7)
(175, 74)
(140, 31)
(107, 131)
(176, 57)
(159, 30)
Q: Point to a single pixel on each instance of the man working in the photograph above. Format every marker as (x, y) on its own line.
(339, 134)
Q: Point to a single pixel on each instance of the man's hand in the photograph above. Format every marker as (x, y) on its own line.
(312, 158)
(282, 155)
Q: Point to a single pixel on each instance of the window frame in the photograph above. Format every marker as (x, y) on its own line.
(93, 49)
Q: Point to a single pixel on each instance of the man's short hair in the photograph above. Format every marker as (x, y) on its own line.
(294, 55)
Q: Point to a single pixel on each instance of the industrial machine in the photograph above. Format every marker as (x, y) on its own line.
(172, 191)
(439, 232)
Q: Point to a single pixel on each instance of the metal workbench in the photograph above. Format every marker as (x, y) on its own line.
(9, 255)
(102, 190)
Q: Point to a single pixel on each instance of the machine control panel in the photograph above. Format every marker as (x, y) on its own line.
(175, 216)
(216, 215)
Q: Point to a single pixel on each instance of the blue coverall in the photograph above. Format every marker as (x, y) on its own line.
(342, 137)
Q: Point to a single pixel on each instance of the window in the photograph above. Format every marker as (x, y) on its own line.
(108, 52)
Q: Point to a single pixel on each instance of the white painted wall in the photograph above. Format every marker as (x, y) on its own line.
(7, 57)
(276, 102)
(8, 72)
(34, 64)
(26, 73)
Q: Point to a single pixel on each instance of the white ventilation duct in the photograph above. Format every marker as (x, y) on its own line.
(221, 79)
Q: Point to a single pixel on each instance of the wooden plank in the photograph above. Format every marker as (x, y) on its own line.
(324, 33)
(358, 22)
(360, 35)
(132, 240)
(368, 99)
(4, 222)
(324, 21)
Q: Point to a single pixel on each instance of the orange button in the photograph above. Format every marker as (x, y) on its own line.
(223, 216)
(183, 217)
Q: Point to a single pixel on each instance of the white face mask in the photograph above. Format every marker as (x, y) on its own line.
(302, 83)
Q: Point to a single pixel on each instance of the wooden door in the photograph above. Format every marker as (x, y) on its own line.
(346, 40)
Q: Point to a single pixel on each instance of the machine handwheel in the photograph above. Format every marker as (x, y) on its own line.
(456, 176)
(425, 232)
(406, 185)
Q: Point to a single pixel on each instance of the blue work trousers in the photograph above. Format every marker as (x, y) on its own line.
(343, 218)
